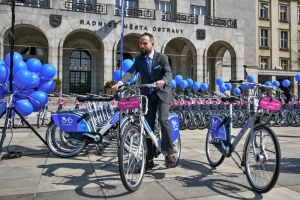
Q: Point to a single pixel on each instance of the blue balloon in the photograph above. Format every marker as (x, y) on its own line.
(173, 83)
(196, 86)
(22, 78)
(38, 98)
(178, 79)
(276, 84)
(18, 65)
(236, 91)
(17, 56)
(244, 87)
(286, 83)
(3, 92)
(3, 73)
(204, 87)
(22, 94)
(268, 83)
(228, 86)
(117, 75)
(222, 88)
(250, 78)
(297, 77)
(34, 64)
(35, 80)
(47, 71)
(2, 62)
(126, 65)
(47, 86)
(184, 84)
(190, 81)
(24, 107)
(219, 81)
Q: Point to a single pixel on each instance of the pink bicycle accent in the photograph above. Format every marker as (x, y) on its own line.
(129, 103)
(188, 102)
(62, 101)
(112, 102)
(217, 103)
(290, 103)
(176, 103)
(181, 103)
(225, 103)
(234, 103)
(270, 104)
(78, 102)
(299, 102)
(207, 102)
(198, 102)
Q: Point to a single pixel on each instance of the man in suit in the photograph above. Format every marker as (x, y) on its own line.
(154, 67)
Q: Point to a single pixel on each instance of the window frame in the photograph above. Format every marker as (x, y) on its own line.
(266, 63)
(264, 37)
(287, 63)
(281, 40)
(193, 7)
(128, 4)
(159, 6)
(286, 13)
(260, 10)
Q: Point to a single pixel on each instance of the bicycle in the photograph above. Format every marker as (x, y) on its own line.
(261, 161)
(133, 149)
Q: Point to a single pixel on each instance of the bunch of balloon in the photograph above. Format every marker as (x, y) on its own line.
(31, 82)
(118, 74)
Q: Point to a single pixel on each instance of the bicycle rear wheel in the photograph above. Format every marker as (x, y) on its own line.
(16, 121)
(132, 161)
(262, 169)
(56, 141)
(213, 154)
(196, 119)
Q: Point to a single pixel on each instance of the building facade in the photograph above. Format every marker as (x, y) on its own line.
(203, 39)
(278, 26)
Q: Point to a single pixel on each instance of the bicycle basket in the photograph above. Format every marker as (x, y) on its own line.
(270, 104)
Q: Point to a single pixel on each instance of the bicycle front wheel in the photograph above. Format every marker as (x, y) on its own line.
(132, 158)
(262, 169)
(40, 118)
(213, 154)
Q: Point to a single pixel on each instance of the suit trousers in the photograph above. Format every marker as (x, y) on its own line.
(156, 104)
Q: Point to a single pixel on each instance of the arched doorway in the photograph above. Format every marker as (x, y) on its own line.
(220, 62)
(80, 72)
(83, 63)
(30, 42)
(182, 56)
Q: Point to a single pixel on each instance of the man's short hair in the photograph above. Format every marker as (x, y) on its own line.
(149, 35)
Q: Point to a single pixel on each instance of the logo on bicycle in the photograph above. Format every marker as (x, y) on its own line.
(214, 123)
(175, 124)
(65, 120)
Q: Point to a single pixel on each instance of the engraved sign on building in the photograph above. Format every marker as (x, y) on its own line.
(200, 34)
(55, 20)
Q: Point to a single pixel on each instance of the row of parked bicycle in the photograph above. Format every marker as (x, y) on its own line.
(195, 109)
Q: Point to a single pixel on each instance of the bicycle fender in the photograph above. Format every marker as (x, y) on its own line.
(68, 122)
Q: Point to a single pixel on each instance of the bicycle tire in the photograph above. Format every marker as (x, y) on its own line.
(58, 147)
(40, 118)
(196, 119)
(180, 115)
(127, 156)
(16, 121)
(187, 119)
(205, 119)
(272, 163)
(213, 154)
(296, 118)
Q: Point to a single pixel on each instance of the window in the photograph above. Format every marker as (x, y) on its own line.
(264, 63)
(264, 10)
(197, 10)
(284, 64)
(284, 39)
(165, 7)
(128, 4)
(264, 37)
(33, 51)
(81, 5)
(283, 13)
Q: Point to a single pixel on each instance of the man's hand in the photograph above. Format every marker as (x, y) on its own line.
(159, 84)
(115, 87)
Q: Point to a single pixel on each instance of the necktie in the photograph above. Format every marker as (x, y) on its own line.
(148, 61)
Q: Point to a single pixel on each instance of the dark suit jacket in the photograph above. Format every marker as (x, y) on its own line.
(160, 70)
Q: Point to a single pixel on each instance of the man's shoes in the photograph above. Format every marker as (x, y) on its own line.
(171, 161)
(149, 165)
